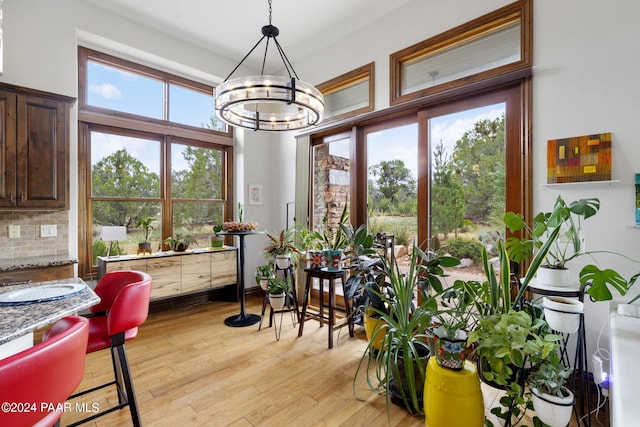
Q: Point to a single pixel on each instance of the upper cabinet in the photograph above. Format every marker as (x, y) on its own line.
(34, 149)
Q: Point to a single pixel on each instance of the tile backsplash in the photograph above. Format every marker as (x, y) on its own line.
(31, 242)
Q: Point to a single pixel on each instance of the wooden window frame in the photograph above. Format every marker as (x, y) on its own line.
(102, 119)
(344, 81)
(518, 11)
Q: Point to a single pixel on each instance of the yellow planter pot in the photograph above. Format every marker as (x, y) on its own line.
(453, 398)
(375, 330)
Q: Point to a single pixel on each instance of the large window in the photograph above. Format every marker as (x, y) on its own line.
(150, 148)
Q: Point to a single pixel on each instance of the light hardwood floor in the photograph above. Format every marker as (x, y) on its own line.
(190, 369)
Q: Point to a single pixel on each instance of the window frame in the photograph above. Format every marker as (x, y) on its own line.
(92, 118)
(344, 81)
(518, 11)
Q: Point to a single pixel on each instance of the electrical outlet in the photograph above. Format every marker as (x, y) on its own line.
(14, 231)
(48, 230)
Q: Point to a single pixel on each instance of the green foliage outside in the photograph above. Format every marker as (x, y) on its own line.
(447, 195)
(394, 190)
(461, 247)
(480, 157)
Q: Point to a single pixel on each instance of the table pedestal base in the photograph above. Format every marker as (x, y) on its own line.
(242, 319)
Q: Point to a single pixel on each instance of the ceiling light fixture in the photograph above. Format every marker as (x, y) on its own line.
(266, 102)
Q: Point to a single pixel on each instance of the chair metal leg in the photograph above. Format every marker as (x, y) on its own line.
(128, 383)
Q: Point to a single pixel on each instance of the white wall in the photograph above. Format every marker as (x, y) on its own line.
(585, 62)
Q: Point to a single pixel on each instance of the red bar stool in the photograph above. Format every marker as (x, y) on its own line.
(330, 275)
(123, 307)
(44, 375)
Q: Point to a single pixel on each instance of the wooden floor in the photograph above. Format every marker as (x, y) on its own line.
(191, 370)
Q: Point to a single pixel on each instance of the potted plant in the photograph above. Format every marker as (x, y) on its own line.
(400, 364)
(453, 322)
(311, 244)
(508, 345)
(263, 274)
(552, 400)
(179, 242)
(282, 248)
(145, 224)
(335, 240)
(567, 245)
(277, 289)
(216, 241)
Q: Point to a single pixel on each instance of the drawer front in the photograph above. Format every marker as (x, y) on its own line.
(196, 272)
(224, 268)
(135, 264)
(165, 273)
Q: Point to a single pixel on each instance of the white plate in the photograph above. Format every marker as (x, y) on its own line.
(41, 293)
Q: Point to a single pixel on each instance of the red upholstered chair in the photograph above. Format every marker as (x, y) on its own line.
(44, 376)
(124, 305)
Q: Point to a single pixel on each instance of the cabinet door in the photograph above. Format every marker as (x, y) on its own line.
(42, 146)
(224, 268)
(165, 273)
(7, 149)
(196, 272)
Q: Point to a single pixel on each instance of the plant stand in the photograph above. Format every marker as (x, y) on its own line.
(291, 304)
(579, 381)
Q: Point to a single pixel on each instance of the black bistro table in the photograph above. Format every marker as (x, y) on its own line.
(242, 319)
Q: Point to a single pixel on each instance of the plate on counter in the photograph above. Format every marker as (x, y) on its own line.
(41, 293)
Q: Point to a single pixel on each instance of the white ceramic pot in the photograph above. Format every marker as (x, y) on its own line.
(552, 276)
(553, 410)
(562, 314)
(277, 301)
(283, 261)
(263, 283)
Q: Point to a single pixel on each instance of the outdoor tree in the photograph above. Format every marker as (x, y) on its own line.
(393, 182)
(201, 179)
(447, 194)
(480, 157)
(123, 176)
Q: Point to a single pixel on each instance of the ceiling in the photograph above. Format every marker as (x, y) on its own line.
(231, 28)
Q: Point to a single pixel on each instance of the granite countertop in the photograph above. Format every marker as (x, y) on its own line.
(35, 262)
(17, 320)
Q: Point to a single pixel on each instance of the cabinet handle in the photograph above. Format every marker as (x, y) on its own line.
(21, 197)
(10, 197)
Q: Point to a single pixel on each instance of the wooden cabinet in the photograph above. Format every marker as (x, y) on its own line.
(179, 273)
(34, 144)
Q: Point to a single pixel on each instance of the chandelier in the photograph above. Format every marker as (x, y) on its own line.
(267, 102)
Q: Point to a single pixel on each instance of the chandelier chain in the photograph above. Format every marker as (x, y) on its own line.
(270, 12)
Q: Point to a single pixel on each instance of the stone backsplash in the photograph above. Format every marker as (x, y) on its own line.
(31, 243)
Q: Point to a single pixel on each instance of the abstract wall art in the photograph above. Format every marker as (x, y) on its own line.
(578, 159)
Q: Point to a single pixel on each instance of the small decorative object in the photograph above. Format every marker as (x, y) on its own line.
(580, 158)
(216, 241)
(178, 242)
(449, 352)
(144, 247)
(638, 199)
(317, 260)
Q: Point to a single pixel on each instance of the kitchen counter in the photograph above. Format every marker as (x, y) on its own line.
(35, 262)
(18, 320)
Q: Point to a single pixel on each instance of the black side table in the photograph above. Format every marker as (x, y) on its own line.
(242, 319)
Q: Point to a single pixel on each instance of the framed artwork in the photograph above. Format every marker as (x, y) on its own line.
(579, 159)
(255, 194)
